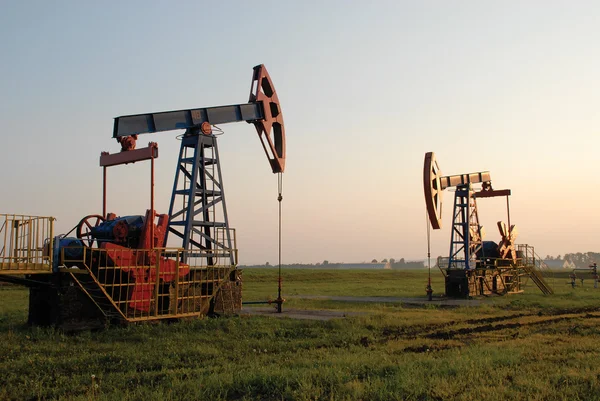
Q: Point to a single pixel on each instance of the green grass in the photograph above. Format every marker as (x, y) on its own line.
(388, 283)
(521, 347)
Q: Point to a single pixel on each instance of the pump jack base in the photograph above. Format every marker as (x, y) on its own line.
(461, 283)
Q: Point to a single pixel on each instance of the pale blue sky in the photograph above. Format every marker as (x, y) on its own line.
(366, 89)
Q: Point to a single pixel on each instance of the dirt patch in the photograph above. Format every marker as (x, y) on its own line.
(307, 314)
(495, 319)
(439, 302)
(446, 335)
(480, 326)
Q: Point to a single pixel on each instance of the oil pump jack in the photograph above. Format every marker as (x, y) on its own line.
(151, 266)
(474, 266)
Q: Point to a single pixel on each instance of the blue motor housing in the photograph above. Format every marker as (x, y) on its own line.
(133, 225)
(489, 250)
(71, 248)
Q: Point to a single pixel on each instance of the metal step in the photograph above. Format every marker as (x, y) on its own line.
(97, 295)
(539, 280)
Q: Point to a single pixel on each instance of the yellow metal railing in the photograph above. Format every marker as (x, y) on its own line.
(26, 244)
(537, 269)
(149, 284)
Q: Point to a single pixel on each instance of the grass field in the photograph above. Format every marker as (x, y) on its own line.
(526, 347)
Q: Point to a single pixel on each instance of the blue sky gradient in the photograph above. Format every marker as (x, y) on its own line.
(366, 89)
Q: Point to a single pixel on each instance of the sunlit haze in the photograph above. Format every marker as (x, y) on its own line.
(366, 89)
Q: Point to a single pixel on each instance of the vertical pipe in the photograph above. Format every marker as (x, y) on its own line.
(428, 289)
(5, 254)
(279, 199)
(104, 192)
(30, 224)
(279, 299)
(508, 211)
(16, 244)
(51, 251)
(235, 246)
(151, 222)
(39, 242)
(156, 285)
(152, 200)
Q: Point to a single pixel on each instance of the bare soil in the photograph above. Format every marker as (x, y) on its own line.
(306, 314)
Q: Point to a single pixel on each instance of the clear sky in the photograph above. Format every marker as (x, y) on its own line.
(366, 89)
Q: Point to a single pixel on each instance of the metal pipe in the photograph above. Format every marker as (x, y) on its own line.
(104, 192)
(508, 210)
(279, 199)
(157, 284)
(152, 201)
(51, 249)
(428, 289)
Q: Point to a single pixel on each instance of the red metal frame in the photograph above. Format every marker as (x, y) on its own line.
(129, 156)
(125, 157)
(140, 262)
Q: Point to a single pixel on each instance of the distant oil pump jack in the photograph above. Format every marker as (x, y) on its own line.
(474, 266)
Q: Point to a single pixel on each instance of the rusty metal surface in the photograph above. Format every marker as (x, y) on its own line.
(270, 129)
(206, 128)
(491, 193)
(127, 142)
(433, 190)
(130, 156)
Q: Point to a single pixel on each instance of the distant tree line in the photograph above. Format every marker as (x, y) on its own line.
(582, 259)
(394, 264)
(403, 264)
(579, 259)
